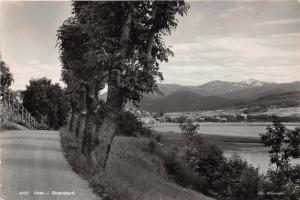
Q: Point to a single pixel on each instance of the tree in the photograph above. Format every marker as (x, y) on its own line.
(189, 132)
(44, 99)
(6, 78)
(122, 45)
(284, 145)
(75, 95)
(80, 70)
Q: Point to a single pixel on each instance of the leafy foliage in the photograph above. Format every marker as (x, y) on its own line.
(45, 101)
(130, 125)
(189, 132)
(284, 145)
(223, 178)
(6, 78)
(131, 64)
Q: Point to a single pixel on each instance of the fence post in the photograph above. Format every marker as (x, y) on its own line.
(22, 114)
(8, 102)
(26, 121)
(12, 103)
(18, 111)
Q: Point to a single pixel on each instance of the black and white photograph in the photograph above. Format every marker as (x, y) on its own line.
(150, 100)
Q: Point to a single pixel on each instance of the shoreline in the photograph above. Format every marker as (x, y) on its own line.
(227, 124)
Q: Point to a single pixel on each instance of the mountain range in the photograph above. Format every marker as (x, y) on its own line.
(218, 94)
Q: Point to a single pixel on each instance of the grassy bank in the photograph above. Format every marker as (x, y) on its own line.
(7, 125)
(133, 172)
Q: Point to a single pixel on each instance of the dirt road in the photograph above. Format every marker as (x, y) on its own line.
(33, 168)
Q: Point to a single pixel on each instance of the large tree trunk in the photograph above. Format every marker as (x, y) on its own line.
(80, 127)
(108, 127)
(71, 122)
(89, 128)
(114, 104)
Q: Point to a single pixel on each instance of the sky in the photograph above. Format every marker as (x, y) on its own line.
(217, 40)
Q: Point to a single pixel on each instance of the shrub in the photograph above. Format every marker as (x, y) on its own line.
(244, 179)
(223, 178)
(180, 172)
(181, 119)
(189, 132)
(130, 125)
(152, 145)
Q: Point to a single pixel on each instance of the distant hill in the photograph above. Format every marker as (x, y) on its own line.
(283, 100)
(245, 90)
(184, 100)
(165, 90)
(219, 94)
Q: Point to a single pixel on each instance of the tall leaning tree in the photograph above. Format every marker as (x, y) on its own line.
(124, 46)
(134, 69)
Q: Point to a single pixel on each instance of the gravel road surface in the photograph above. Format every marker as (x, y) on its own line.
(33, 168)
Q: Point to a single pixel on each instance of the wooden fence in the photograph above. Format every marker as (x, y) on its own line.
(16, 110)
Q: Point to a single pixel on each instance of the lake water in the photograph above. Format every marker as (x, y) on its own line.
(231, 129)
(257, 157)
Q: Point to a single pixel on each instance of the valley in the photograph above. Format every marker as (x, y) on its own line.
(249, 97)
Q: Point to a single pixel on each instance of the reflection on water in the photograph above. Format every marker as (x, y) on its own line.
(254, 156)
(258, 159)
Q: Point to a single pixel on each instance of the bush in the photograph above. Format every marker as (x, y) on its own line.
(223, 178)
(180, 172)
(189, 132)
(244, 179)
(129, 125)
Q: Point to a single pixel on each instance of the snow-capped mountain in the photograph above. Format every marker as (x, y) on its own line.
(220, 87)
(214, 94)
(251, 83)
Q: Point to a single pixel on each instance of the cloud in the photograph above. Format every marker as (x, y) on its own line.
(234, 58)
(279, 22)
(227, 40)
(237, 10)
(34, 69)
(34, 62)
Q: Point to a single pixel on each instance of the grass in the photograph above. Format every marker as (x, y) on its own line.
(78, 162)
(133, 172)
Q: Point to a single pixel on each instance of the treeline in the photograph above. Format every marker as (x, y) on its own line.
(118, 44)
(231, 118)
